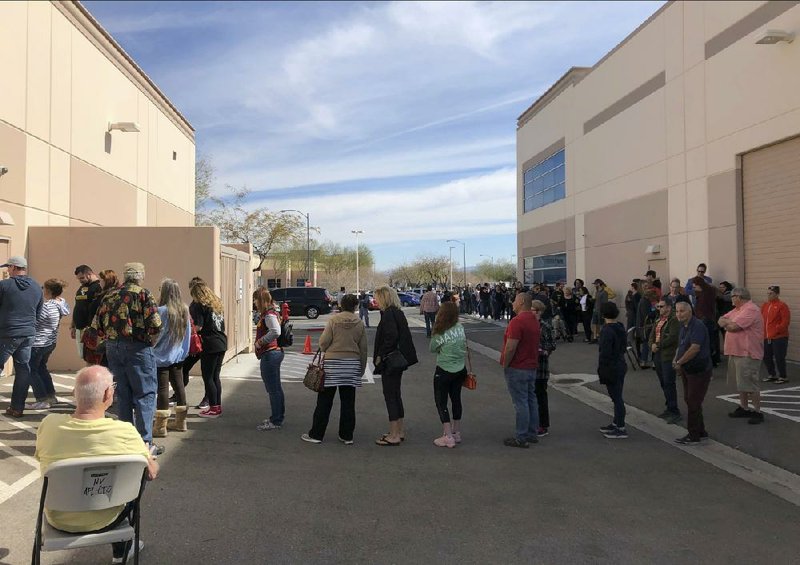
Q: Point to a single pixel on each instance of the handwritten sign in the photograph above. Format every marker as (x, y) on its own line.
(99, 481)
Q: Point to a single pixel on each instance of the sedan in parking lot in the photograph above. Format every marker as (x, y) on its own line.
(408, 298)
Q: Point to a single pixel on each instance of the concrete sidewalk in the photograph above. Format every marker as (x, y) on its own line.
(774, 441)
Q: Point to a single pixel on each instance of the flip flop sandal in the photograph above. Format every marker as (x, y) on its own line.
(386, 443)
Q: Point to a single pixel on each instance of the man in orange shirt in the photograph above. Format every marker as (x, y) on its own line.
(776, 317)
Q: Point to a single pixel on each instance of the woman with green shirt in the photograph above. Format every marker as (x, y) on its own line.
(449, 342)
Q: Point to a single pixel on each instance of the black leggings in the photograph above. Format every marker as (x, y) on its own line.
(166, 376)
(446, 384)
(587, 324)
(391, 394)
(540, 387)
(210, 366)
(188, 363)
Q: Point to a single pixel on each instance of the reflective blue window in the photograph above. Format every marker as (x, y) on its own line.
(545, 182)
(545, 268)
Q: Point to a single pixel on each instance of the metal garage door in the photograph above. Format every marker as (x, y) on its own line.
(771, 202)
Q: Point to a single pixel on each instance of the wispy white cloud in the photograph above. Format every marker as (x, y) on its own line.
(482, 205)
(292, 94)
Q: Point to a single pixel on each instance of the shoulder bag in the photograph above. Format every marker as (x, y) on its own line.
(195, 343)
(470, 381)
(315, 374)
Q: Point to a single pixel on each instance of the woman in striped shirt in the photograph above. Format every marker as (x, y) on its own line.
(53, 309)
(344, 342)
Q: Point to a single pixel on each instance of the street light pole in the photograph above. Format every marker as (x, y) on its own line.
(451, 267)
(465, 258)
(308, 240)
(358, 280)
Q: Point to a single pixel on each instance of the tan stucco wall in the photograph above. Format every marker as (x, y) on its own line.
(56, 251)
(63, 81)
(681, 142)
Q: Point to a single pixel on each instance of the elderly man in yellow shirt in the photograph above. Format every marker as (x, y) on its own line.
(88, 433)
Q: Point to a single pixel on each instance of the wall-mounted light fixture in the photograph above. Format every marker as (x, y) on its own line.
(773, 36)
(653, 249)
(127, 127)
(6, 219)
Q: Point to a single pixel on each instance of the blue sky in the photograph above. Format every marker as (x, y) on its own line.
(396, 118)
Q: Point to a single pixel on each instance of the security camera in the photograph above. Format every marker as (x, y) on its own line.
(3, 170)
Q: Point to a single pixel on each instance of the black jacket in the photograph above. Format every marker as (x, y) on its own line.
(611, 360)
(393, 333)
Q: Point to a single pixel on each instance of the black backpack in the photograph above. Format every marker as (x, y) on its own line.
(286, 339)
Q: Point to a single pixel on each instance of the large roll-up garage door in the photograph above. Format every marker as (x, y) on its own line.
(771, 202)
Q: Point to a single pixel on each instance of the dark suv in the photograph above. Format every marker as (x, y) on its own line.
(304, 301)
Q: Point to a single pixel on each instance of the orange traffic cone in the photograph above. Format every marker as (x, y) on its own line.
(307, 346)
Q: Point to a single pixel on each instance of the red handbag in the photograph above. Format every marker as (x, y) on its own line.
(470, 382)
(195, 343)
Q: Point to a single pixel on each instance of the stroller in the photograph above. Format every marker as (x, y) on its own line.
(560, 328)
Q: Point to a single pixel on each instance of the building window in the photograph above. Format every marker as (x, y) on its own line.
(548, 269)
(273, 283)
(544, 182)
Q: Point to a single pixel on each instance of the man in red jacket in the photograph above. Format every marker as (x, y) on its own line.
(776, 317)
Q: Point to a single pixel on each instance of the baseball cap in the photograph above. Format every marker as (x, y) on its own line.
(775, 288)
(16, 261)
(133, 269)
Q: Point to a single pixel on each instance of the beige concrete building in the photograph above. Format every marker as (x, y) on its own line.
(63, 82)
(680, 146)
(98, 167)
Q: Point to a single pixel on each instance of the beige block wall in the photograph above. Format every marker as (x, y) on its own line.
(682, 141)
(56, 251)
(60, 89)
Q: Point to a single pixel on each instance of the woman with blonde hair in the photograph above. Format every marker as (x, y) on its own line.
(270, 355)
(449, 343)
(393, 353)
(170, 351)
(207, 315)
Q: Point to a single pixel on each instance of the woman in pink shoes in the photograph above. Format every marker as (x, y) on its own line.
(449, 342)
(207, 315)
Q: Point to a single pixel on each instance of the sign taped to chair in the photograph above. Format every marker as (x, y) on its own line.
(98, 481)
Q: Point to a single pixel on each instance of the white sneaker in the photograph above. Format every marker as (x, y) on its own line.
(116, 560)
(39, 405)
(309, 439)
(445, 441)
(266, 425)
(346, 441)
(457, 437)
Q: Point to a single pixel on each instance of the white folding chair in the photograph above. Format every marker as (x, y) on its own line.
(90, 483)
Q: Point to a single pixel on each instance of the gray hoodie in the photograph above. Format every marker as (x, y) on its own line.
(21, 302)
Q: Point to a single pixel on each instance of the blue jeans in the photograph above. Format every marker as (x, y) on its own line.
(615, 392)
(430, 317)
(522, 388)
(271, 375)
(41, 381)
(363, 313)
(134, 368)
(19, 348)
(667, 378)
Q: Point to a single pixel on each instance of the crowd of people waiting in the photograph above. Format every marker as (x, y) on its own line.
(150, 345)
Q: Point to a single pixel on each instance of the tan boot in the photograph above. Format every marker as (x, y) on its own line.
(179, 423)
(160, 425)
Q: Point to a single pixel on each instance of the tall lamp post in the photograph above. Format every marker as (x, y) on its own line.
(451, 267)
(308, 241)
(465, 258)
(358, 280)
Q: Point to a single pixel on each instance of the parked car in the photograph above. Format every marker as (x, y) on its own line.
(305, 301)
(408, 298)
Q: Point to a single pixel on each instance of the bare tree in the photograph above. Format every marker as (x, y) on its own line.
(497, 271)
(260, 227)
(204, 177)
